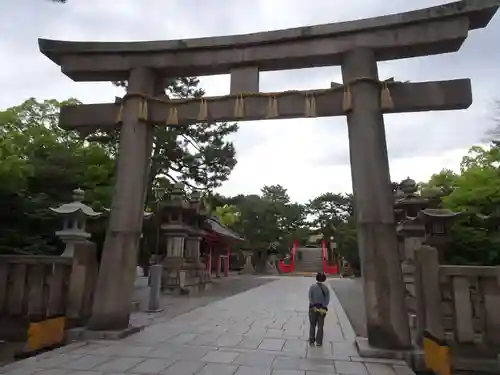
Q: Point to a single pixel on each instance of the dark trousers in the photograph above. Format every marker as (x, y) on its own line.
(316, 319)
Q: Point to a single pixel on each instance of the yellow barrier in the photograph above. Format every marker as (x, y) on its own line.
(437, 355)
(45, 334)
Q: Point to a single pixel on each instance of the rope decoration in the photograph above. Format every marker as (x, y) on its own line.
(310, 105)
(203, 112)
(172, 118)
(143, 110)
(239, 107)
(385, 97)
(386, 102)
(119, 116)
(347, 99)
(272, 107)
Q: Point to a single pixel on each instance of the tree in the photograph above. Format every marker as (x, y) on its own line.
(228, 215)
(347, 243)
(477, 189)
(197, 155)
(328, 212)
(474, 191)
(40, 166)
(445, 181)
(265, 219)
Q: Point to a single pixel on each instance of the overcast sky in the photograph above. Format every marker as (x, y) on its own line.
(307, 156)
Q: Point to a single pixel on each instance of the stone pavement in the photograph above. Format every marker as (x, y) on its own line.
(174, 305)
(350, 293)
(261, 331)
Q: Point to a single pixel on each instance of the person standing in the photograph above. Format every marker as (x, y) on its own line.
(319, 298)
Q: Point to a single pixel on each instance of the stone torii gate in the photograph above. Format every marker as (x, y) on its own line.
(356, 46)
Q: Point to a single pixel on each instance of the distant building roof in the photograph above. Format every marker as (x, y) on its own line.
(217, 227)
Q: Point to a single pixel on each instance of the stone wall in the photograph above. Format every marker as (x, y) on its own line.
(461, 306)
(36, 288)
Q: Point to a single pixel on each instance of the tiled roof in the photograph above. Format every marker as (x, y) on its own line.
(216, 226)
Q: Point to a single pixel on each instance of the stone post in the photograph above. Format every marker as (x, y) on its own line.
(155, 272)
(112, 302)
(387, 321)
(82, 282)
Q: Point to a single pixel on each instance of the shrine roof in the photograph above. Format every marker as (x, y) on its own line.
(218, 228)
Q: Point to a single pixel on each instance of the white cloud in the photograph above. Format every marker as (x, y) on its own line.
(307, 156)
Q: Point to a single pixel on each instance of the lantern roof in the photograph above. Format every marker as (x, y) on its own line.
(440, 213)
(76, 206)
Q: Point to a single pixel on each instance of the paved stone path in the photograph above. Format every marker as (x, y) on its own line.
(261, 331)
(174, 305)
(350, 293)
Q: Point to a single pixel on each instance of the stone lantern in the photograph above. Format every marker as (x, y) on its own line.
(173, 212)
(408, 200)
(437, 223)
(410, 229)
(411, 235)
(195, 233)
(75, 216)
(181, 225)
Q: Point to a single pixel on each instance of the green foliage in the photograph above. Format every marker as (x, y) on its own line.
(445, 181)
(332, 215)
(263, 219)
(477, 189)
(347, 242)
(40, 166)
(228, 215)
(474, 191)
(329, 210)
(472, 244)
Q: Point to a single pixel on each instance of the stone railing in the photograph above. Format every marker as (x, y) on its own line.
(36, 288)
(459, 305)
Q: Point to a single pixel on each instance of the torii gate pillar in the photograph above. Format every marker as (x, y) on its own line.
(111, 310)
(387, 318)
